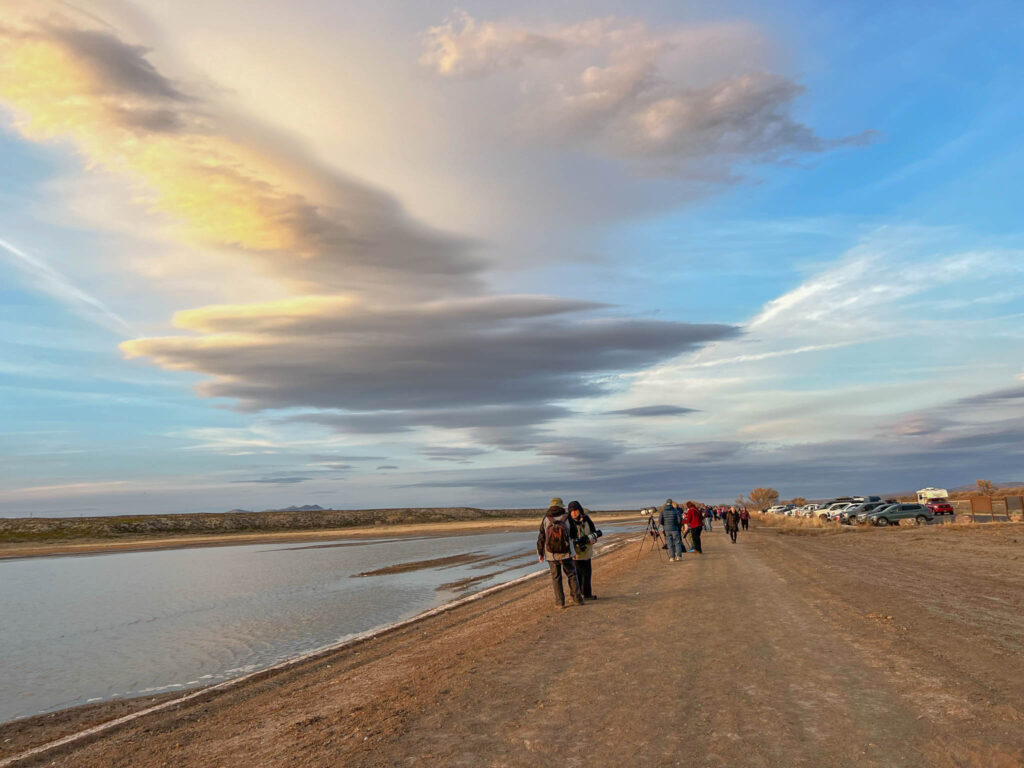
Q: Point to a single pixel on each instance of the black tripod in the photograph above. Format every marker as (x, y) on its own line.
(653, 534)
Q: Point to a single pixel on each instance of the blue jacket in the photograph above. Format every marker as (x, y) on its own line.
(670, 519)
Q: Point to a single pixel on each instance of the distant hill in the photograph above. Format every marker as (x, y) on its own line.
(239, 512)
(974, 487)
(303, 508)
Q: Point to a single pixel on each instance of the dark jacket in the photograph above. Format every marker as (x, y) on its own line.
(732, 521)
(554, 516)
(670, 519)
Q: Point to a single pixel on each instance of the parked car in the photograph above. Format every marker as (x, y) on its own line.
(894, 513)
(849, 515)
(836, 511)
(862, 517)
(809, 510)
(825, 513)
(941, 508)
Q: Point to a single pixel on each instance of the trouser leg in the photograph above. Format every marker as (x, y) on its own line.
(556, 581)
(695, 533)
(574, 584)
(583, 572)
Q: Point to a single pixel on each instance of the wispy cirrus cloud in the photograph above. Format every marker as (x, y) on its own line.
(60, 287)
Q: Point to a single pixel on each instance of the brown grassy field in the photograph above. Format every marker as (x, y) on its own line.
(109, 537)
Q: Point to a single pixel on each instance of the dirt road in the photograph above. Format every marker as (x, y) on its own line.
(886, 648)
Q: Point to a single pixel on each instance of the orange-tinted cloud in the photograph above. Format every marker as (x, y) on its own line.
(310, 227)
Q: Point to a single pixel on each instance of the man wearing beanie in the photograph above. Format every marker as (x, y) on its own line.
(553, 545)
(671, 522)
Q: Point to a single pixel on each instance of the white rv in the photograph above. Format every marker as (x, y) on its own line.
(926, 495)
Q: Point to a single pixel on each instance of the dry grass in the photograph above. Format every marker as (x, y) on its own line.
(964, 523)
(781, 521)
(803, 526)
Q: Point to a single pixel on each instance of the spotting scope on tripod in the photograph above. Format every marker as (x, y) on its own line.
(652, 534)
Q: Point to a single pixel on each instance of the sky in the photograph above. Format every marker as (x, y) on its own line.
(407, 253)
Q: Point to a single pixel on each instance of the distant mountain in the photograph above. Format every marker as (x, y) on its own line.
(304, 508)
(974, 487)
(239, 512)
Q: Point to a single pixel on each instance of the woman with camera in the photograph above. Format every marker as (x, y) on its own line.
(583, 533)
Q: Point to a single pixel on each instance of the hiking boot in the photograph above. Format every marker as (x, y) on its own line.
(591, 597)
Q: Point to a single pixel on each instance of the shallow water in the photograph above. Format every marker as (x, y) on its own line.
(80, 629)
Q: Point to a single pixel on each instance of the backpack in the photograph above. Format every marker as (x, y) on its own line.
(556, 538)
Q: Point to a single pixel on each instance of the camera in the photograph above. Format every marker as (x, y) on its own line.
(584, 541)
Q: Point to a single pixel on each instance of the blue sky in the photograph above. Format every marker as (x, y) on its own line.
(455, 256)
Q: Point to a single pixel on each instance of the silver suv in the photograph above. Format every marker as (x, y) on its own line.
(893, 513)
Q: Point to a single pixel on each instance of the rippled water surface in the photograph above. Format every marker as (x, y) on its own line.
(79, 629)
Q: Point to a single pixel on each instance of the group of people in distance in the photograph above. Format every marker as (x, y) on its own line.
(567, 535)
(566, 541)
(679, 523)
(735, 518)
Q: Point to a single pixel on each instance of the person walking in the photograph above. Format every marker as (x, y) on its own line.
(694, 524)
(670, 521)
(553, 546)
(732, 523)
(744, 519)
(706, 514)
(584, 534)
(685, 538)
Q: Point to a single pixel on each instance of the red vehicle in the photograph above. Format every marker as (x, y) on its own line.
(941, 508)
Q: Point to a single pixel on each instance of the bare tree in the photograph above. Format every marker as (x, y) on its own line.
(762, 498)
(799, 501)
(986, 487)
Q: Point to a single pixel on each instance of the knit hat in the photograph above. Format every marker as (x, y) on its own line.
(669, 502)
(575, 505)
(556, 502)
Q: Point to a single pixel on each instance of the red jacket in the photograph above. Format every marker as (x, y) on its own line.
(692, 518)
